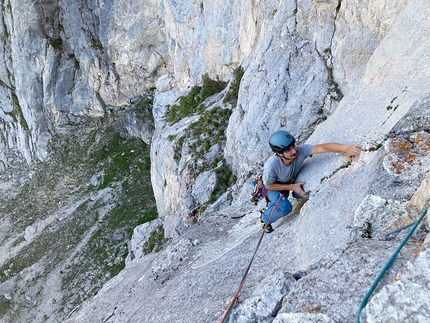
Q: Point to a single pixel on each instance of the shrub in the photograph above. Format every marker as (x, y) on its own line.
(233, 92)
(155, 240)
(190, 104)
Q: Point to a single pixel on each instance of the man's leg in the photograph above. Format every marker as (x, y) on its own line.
(278, 204)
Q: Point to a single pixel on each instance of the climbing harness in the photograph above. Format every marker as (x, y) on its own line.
(234, 299)
(388, 264)
(260, 190)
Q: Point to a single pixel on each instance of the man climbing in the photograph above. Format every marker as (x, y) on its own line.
(281, 170)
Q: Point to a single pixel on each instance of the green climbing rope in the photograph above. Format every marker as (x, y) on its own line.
(390, 261)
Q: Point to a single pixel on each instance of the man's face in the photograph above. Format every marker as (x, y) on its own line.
(291, 153)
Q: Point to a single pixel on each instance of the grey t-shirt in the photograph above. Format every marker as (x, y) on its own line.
(276, 172)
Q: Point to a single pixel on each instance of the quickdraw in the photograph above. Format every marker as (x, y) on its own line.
(259, 191)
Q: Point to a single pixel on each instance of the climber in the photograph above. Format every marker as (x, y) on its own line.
(281, 170)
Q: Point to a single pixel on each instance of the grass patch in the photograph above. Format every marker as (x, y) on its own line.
(155, 240)
(5, 306)
(225, 178)
(201, 135)
(211, 87)
(190, 104)
(56, 43)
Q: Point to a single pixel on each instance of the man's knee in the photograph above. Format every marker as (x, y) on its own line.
(285, 206)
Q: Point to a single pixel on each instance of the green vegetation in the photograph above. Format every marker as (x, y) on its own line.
(102, 214)
(334, 90)
(16, 114)
(188, 105)
(17, 111)
(204, 133)
(5, 306)
(233, 92)
(96, 44)
(200, 137)
(76, 62)
(225, 179)
(211, 87)
(390, 107)
(155, 241)
(191, 103)
(94, 189)
(56, 43)
(207, 132)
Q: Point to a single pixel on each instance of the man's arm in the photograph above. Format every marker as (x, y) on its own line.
(349, 150)
(297, 187)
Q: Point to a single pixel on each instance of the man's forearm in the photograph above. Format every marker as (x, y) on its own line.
(279, 187)
(329, 147)
(349, 150)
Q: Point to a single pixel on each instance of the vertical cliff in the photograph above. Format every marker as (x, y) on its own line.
(83, 83)
(67, 62)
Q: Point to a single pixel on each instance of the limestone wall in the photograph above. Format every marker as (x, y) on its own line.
(327, 71)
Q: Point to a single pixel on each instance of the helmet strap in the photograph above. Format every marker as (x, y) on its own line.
(289, 160)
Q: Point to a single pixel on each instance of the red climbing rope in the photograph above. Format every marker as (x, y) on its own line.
(233, 300)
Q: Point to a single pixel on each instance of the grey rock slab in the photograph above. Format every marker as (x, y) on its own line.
(406, 298)
(337, 287)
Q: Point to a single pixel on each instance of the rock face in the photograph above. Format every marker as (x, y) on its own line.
(65, 62)
(327, 71)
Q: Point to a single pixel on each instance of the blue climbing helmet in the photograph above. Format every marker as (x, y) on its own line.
(281, 141)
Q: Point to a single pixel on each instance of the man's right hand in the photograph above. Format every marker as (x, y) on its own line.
(298, 188)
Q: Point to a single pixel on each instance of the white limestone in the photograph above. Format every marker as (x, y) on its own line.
(327, 71)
